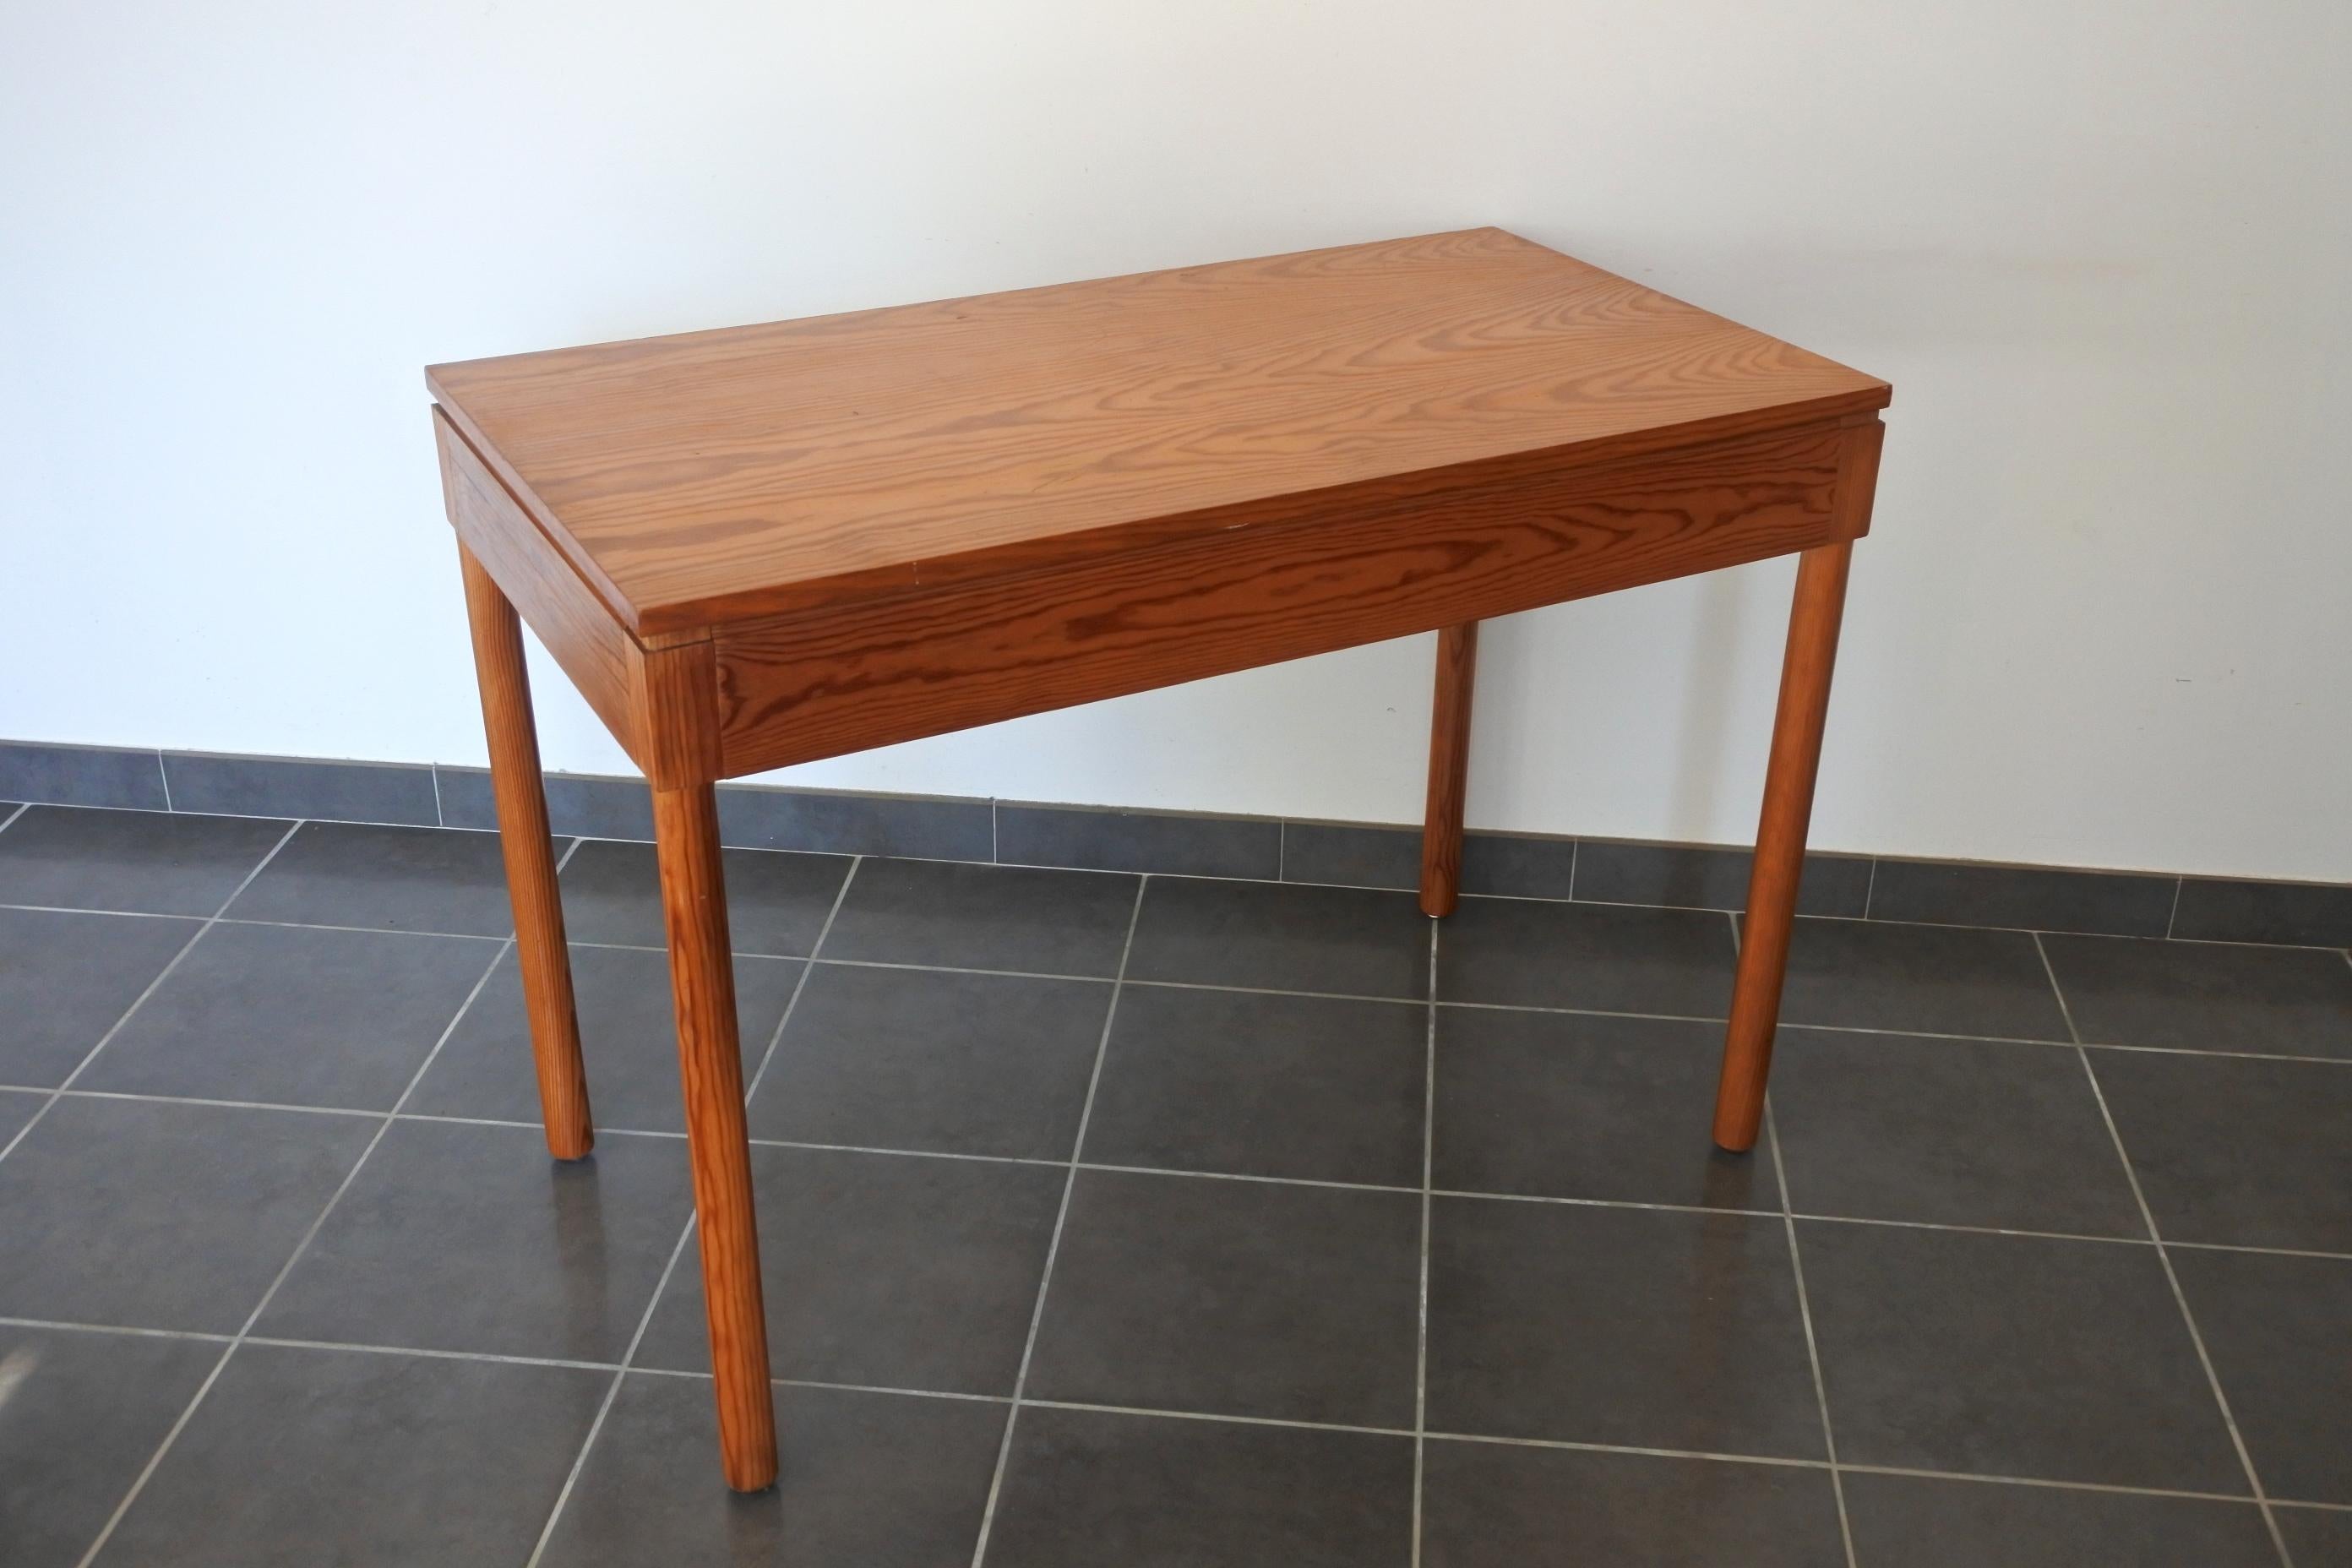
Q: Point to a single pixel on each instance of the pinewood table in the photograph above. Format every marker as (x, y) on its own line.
(773, 543)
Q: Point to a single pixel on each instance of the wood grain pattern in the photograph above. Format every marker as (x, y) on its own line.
(710, 1074)
(1780, 864)
(716, 477)
(680, 693)
(603, 660)
(1449, 769)
(802, 687)
(529, 851)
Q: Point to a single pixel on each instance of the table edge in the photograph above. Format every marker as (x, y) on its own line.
(661, 622)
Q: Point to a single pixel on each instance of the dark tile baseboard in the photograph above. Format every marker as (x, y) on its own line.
(1513, 864)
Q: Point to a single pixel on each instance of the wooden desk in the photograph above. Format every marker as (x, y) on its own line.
(774, 543)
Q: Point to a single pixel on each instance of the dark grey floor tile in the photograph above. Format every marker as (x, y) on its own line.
(83, 1414)
(17, 1107)
(1943, 980)
(1236, 1298)
(1351, 854)
(1086, 1487)
(1699, 877)
(984, 917)
(302, 786)
(1310, 1087)
(2316, 914)
(1518, 865)
(2278, 1330)
(2245, 1153)
(879, 1480)
(2319, 1538)
(1184, 843)
(937, 828)
(2205, 997)
(628, 1039)
(930, 1059)
(290, 1016)
(82, 775)
(1582, 1106)
(150, 862)
(467, 799)
(1282, 936)
(1975, 1133)
(1499, 1505)
(64, 980)
(776, 903)
(578, 804)
(299, 1457)
(1528, 953)
(1689, 1337)
(389, 878)
(1912, 1521)
(2011, 1355)
(463, 1238)
(1959, 892)
(159, 1215)
(891, 1270)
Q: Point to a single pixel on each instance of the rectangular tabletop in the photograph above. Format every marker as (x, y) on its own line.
(898, 521)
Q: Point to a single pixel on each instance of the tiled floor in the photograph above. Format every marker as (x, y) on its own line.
(1149, 1221)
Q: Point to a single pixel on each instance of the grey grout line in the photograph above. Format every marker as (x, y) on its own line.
(1282, 850)
(1321, 996)
(2240, 1498)
(21, 809)
(677, 1134)
(1812, 1345)
(1053, 1245)
(1220, 1418)
(2172, 916)
(1495, 1439)
(1573, 840)
(441, 818)
(1176, 1173)
(677, 1249)
(612, 1391)
(1428, 1166)
(841, 1387)
(996, 856)
(65, 1326)
(2164, 1260)
(1212, 1175)
(217, 1103)
(1804, 1304)
(163, 773)
(429, 1353)
(1869, 888)
(137, 1002)
(228, 1352)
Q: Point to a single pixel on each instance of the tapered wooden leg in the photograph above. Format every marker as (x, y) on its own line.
(710, 1070)
(1449, 769)
(515, 781)
(1780, 842)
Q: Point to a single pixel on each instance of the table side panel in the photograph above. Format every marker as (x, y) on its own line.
(603, 660)
(797, 687)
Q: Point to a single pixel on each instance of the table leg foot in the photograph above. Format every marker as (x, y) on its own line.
(1780, 843)
(1449, 769)
(529, 850)
(711, 1072)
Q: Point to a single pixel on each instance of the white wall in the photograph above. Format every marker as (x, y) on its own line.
(2102, 250)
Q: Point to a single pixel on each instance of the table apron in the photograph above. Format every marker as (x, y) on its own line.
(813, 684)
